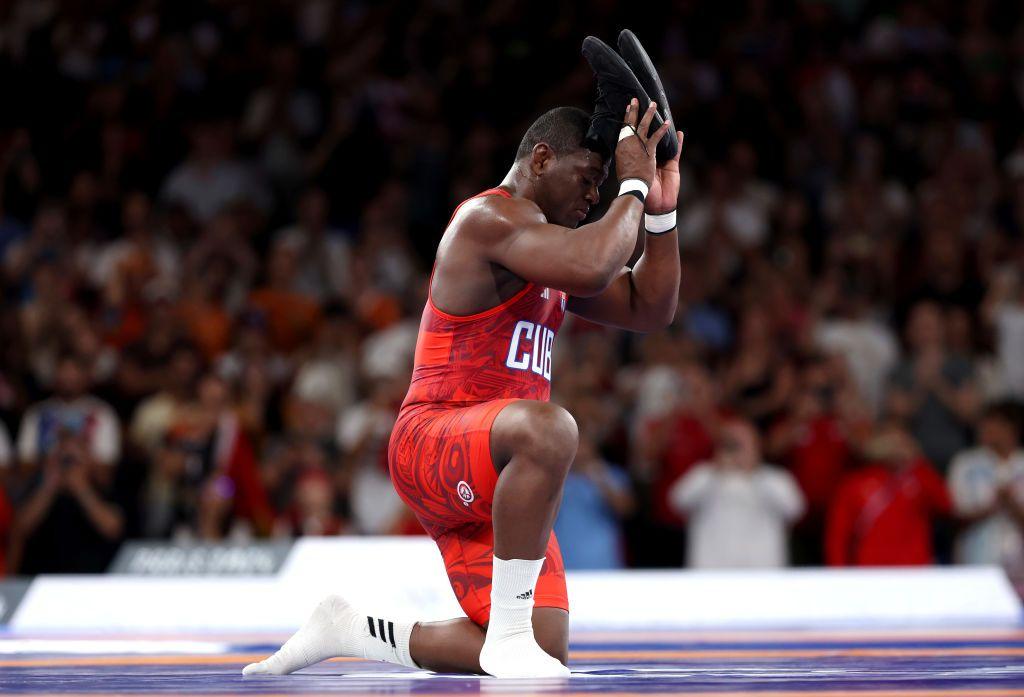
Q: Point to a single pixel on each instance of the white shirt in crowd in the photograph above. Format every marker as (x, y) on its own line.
(206, 190)
(745, 221)
(1010, 346)
(46, 422)
(388, 352)
(325, 270)
(975, 477)
(870, 349)
(737, 519)
(111, 258)
(5, 446)
(364, 429)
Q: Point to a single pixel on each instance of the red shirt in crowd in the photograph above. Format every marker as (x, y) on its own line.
(882, 517)
(688, 442)
(818, 459)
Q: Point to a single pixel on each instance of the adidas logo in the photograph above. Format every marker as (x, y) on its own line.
(378, 628)
(526, 596)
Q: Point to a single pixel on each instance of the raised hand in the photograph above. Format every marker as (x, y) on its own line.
(635, 154)
(664, 194)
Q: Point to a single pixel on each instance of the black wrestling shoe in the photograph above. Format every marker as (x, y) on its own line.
(644, 70)
(616, 86)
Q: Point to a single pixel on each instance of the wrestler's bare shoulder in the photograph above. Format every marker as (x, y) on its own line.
(488, 218)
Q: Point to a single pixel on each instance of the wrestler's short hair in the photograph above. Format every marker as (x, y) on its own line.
(563, 128)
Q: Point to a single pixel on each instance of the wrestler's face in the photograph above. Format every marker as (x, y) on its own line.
(570, 186)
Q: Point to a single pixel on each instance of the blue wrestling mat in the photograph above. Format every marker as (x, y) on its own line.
(984, 661)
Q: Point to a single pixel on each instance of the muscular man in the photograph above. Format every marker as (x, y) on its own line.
(478, 451)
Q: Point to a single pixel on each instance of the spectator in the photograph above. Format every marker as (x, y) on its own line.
(203, 307)
(292, 316)
(882, 513)
(867, 208)
(279, 116)
(855, 330)
(205, 481)
(83, 339)
(156, 414)
(42, 273)
(223, 249)
(306, 450)
(314, 507)
(734, 211)
(330, 372)
(653, 385)
(6, 514)
(701, 311)
(987, 487)
(387, 353)
(655, 388)
(682, 439)
(813, 441)
(6, 453)
(72, 419)
(325, 255)
(48, 242)
(259, 370)
(1004, 310)
(759, 380)
(6, 523)
(739, 508)
(140, 263)
(933, 389)
(147, 348)
(68, 446)
(210, 179)
(362, 434)
(596, 498)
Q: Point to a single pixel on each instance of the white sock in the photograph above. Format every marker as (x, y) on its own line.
(336, 629)
(510, 649)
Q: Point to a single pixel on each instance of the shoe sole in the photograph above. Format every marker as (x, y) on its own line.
(643, 69)
(609, 65)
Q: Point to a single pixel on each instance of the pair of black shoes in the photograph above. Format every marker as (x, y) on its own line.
(619, 81)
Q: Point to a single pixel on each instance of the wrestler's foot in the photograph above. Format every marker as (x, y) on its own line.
(336, 629)
(519, 656)
(510, 648)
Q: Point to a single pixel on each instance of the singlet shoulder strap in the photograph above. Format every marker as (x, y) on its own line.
(495, 191)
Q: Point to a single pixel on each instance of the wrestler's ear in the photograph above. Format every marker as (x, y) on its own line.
(542, 159)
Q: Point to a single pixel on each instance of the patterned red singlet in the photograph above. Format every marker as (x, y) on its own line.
(467, 369)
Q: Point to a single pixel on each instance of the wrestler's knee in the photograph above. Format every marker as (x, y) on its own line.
(541, 432)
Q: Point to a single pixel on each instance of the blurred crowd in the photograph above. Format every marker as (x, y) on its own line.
(217, 219)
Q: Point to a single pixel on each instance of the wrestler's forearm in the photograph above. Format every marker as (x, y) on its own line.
(616, 236)
(655, 279)
(606, 245)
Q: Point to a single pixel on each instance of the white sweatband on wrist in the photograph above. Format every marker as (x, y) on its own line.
(626, 132)
(632, 184)
(659, 224)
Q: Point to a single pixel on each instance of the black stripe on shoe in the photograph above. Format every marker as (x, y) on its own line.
(380, 623)
(369, 621)
(391, 634)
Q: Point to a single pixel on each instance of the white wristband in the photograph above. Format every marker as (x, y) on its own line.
(631, 184)
(659, 224)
